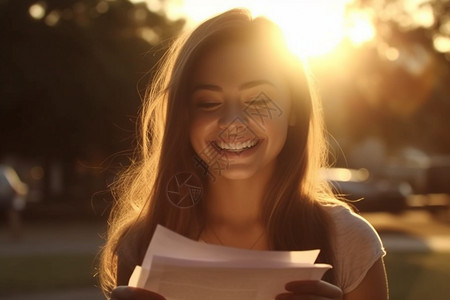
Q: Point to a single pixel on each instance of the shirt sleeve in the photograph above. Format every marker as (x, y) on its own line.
(357, 247)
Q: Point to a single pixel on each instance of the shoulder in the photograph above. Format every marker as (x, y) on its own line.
(356, 244)
(349, 224)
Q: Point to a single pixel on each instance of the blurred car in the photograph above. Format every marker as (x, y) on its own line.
(366, 193)
(430, 182)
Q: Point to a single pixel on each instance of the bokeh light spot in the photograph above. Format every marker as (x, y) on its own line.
(392, 53)
(52, 18)
(37, 11)
(359, 27)
(149, 35)
(441, 43)
(102, 7)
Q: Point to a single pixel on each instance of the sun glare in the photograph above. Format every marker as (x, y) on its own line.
(311, 27)
(359, 28)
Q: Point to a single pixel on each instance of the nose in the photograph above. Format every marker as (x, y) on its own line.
(233, 116)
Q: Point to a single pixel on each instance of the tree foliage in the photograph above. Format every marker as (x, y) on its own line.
(69, 76)
(395, 87)
(70, 83)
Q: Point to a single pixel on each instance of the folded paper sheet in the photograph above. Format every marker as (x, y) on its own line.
(180, 268)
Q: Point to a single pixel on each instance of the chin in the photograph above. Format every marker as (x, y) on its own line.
(236, 174)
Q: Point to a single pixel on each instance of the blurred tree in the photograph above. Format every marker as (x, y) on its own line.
(69, 76)
(395, 87)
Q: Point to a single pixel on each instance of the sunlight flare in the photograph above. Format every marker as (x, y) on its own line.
(359, 27)
(311, 27)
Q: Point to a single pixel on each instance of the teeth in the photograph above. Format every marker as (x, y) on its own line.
(236, 146)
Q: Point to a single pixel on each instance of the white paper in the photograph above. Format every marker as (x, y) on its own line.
(180, 268)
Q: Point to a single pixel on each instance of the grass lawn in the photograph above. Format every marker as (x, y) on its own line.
(46, 272)
(418, 276)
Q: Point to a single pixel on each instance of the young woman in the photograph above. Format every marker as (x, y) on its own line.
(232, 111)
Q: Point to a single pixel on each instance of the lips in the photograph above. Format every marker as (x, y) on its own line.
(236, 146)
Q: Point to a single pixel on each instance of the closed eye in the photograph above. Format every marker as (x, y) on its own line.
(208, 105)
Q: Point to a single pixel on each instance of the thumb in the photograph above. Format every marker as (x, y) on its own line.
(131, 293)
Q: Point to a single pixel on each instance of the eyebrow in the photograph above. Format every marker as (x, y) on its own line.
(254, 83)
(244, 86)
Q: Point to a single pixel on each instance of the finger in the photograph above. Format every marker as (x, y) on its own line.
(291, 296)
(285, 296)
(319, 288)
(130, 293)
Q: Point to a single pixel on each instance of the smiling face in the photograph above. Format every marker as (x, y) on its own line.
(240, 109)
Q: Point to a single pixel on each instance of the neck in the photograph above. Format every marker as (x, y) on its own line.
(237, 204)
(234, 211)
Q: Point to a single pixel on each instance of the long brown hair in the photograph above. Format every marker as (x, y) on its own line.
(293, 205)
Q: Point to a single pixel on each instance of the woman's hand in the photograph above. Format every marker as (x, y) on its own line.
(311, 290)
(130, 293)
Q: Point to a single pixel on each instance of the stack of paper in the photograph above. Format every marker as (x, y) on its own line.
(179, 268)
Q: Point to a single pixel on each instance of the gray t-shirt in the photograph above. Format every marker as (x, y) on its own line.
(357, 247)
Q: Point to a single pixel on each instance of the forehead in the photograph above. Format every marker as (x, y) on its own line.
(234, 63)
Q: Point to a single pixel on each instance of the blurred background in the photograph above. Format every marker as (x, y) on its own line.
(71, 79)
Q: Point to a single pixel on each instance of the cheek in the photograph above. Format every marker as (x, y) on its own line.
(199, 132)
(276, 117)
(280, 131)
(194, 135)
(276, 130)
